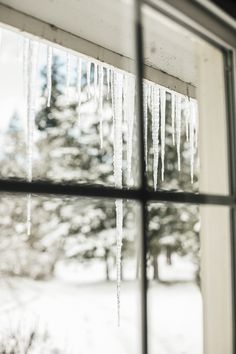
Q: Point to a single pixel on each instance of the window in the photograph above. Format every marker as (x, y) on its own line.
(184, 169)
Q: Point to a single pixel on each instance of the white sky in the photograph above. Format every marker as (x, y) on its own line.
(11, 76)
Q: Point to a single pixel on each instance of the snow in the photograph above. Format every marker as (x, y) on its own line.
(80, 317)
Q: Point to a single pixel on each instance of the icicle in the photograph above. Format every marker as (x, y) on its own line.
(49, 74)
(155, 132)
(196, 123)
(78, 84)
(191, 138)
(178, 127)
(88, 79)
(31, 62)
(68, 74)
(129, 94)
(163, 131)
(119, 236)
(25, 65)
(187, 114)
(108, 82)
(28, 214)
(1, 35)
(145, 113)
(173, 117)
(95, 80)
(100, 82)
(117, 162)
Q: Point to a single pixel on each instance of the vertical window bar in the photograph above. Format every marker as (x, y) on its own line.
(143, 183)
(231, 130)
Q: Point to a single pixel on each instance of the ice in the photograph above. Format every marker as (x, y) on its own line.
(31, 64)
(108, 82)
(100, 83)
(95, 79)
(163, 131)
(25, 65)
(145, 115)
(173, 117)
(49, 74)
(187, 114)
(178, 128)
(155, 132)
(78, 83)
(119, 236)
(68, 74)
(89, 79)
(129, 95)
(28, 214)
(117, 161)
(191, 137)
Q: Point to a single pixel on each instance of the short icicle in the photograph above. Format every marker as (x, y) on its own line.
(129, 95)
(117, 162)
(78, 84)
(163, 131)
(100, 105)
(187, 117)
(191, 136)
(178, 128)
(173, 117)
(95, 80)
(49, 75)
(108, 82)
(155, 132)
(89, 79)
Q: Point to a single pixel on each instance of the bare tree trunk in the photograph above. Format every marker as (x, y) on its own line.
(106, 257)
(155, 268)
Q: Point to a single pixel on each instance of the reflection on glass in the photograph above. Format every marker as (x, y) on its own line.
(174, 297)
(58, 284)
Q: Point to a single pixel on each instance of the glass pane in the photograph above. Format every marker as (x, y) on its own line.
(174, 295)
(184, 103)
(59, 276)
(68, 116)
(189, 271)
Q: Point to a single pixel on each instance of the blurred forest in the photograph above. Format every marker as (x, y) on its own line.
(72, 230)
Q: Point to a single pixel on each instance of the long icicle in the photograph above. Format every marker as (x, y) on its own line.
(178, 128)
(49, 75)
(117, 161)
(145, 114)
(31, 96)
(155, 132)
(173, 117)
(129, 94)
(100, 83)
(78, 85)
(163, 131)
(89, 79)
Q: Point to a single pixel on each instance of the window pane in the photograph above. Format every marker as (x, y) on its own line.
(70, 116)
(184, 102)
(188, 271)
(58, 277)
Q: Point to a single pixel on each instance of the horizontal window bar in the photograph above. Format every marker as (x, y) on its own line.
(99, 191)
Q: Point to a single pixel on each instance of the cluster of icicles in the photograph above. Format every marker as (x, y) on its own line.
(121, 90)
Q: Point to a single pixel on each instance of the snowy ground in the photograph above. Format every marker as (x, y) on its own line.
(82, 319)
